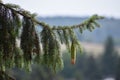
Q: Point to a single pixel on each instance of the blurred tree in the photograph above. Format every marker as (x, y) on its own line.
(92, 71)
(109, 58)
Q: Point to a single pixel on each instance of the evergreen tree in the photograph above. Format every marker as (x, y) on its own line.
(19, 24)
(109, 58)
(92, 71)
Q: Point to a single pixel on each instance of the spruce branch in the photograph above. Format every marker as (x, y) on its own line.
(82, 25)
(50, 38)
(23, 12)
(27, 14)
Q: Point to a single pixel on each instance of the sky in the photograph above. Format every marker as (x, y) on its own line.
(110, 8)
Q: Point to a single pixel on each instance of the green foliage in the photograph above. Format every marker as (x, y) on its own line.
(13, 6)
(51, 49)
(8, 33)
(15, 22)
(18, 58)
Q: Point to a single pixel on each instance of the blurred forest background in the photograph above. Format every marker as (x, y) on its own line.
(100, 58)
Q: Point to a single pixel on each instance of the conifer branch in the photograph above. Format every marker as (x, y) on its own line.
(82, 25)
(50, 37)
(23, 12)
